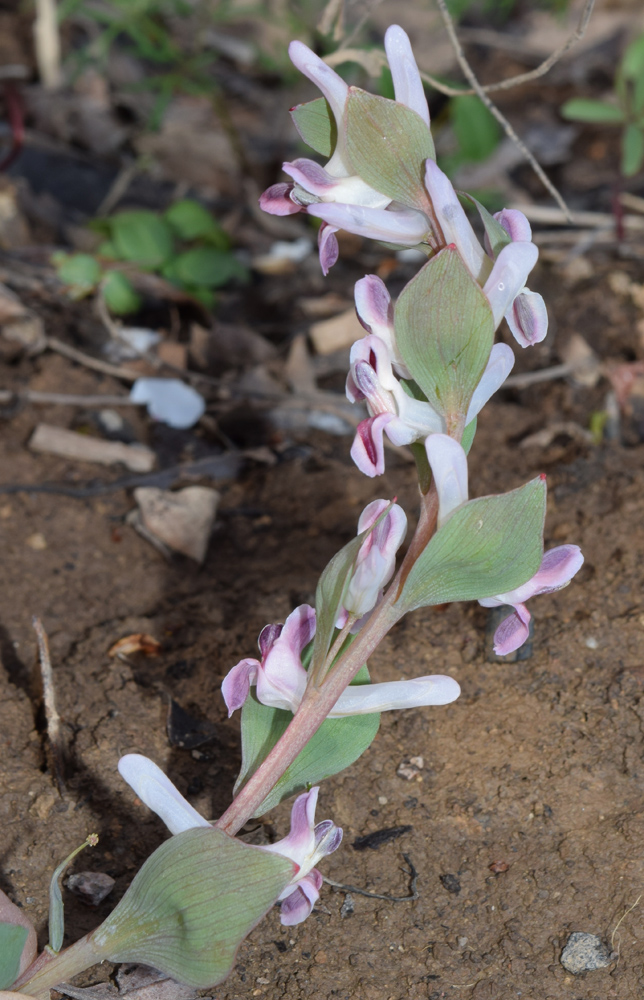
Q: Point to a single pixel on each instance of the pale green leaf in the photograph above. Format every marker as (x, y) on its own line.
(142, 237)
(632, 150)
(191, 221)
(487, 547)
(444, 331)
(205, 266)
(497, 235)
(582, 109)
(476, 128)
(119, 294)
(335, 745)
(387, 144)
(316, 125)
(13, 938)
(80, 271)
(192, 904)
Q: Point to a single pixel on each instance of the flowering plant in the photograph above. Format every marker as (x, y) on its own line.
(423, 371)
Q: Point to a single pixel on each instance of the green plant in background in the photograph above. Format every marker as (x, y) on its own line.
(185, 244)
(627, 110)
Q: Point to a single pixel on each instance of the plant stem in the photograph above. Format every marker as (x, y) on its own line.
(48, 970)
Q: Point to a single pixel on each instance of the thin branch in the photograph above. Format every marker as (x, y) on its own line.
(64, 399)
(492, 108)
(515, 81)
(413, 891)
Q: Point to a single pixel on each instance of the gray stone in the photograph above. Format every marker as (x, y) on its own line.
(584, 952)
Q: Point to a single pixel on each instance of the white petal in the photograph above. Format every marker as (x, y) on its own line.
(361, 699)
(408, 86)
(454, 222)
(499, 366)
(449, 469)
(327, 80)
(508, 277)
(154, 788)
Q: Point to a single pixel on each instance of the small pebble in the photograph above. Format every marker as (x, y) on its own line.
(91, 887)
(584, 953)
(348, 906)
(591, 642)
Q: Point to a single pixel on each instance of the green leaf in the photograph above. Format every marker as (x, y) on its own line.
(487, 547)
(192, 904)
(191, 221)
(497, 235)
(80, 271)
(142, 237)
(476, 129)
(632, 150)
(387, 145)
(444, 331)
(330, 590)
(632, 65)
(12, 941)
(582, 109)
(316, 125)
(335, 745)
(120, 297)
(205, 266)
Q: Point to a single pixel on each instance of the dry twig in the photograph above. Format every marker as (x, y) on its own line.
(54, 735)
(492, 108)
(413, 891)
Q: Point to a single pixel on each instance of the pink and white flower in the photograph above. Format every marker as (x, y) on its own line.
(376, 560)
(557, 569)
(334, 194)
(392, 411)
(305, 845)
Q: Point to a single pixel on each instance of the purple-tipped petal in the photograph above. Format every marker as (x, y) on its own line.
(362, 699)
(408, 86)
(311, 176)
(406, 227)
(156, 790)
(328, 247)
(448, 462)
(515, 224)
(235, 686)
(300, 901)
(512, 632)
(508, 277)
(374, 307)
(281, 680)
(267, 638)
(527, 318)
(368, 448)
(453, 221)
(376, 560)
(327, 80)
(557, 569)
(499, 366)
(276, 200)
(299, 628)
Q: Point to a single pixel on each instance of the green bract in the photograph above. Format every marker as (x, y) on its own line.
(489, 546)
(444, 332)
(387, 144)
(316, 125)
(190, 906)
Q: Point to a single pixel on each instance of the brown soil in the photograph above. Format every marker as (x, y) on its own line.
(531, 794)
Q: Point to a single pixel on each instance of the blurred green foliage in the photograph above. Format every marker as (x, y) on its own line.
(185, 244)
(626, 110)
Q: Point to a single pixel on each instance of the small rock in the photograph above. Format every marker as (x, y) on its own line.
(37, 541)
(348, 906)
(169, 400)
(584, 953)
(90, 887)
(451, 883)
(410, 768)
(182, 520)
